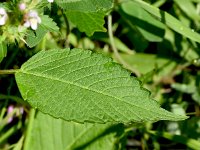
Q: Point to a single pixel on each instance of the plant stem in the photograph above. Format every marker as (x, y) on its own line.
(116, 53)
(10, 71)
(10, 132)
(67, 29)
(29, 129)
(15, 98)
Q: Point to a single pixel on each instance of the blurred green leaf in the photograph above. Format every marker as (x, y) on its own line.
(152, 29)
(192, 87)
(186, 88)
(119, 45)
(145, 63)
(49, 133)
(178, 44)
(169, 20)
(188, 8)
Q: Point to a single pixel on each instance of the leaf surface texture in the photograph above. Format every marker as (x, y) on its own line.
(79, 85)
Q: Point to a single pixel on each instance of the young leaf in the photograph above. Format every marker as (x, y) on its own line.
(49, 24)
(34, 37)
(49, 133)
(82, 86)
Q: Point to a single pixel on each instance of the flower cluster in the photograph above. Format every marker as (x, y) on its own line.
(32, 20)
(31, 17)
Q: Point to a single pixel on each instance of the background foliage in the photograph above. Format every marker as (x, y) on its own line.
(157, 41)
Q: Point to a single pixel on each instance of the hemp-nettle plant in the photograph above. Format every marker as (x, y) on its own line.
(65, 86)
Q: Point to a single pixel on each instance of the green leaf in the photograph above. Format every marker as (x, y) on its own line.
(145, 63)
(49, 24)
(169, 20)
(150, 28)
(88, 22)
(82, 86)
(49, 133)
(188, 8)
(85, 5)
(3, 50)
(34, 37)
(87, 15)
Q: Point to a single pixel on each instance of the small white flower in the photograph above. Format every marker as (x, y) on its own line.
(3, 16)
(32, 20)
(22, 6)
(50, 1)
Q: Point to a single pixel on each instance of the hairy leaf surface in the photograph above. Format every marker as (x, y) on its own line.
(49, 133)
(49, 24)
(81, 86)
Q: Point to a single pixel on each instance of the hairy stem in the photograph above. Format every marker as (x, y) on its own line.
(10, 71)
(15, 98)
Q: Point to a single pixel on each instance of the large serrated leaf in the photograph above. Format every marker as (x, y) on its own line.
(49, 133)
(81, 86)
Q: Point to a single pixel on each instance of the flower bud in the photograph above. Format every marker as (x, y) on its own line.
(50, 1)
(3, 16)
(32, 20)
(22, 6)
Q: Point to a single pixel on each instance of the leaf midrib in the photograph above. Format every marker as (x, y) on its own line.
(83, 87)
(71, 83)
